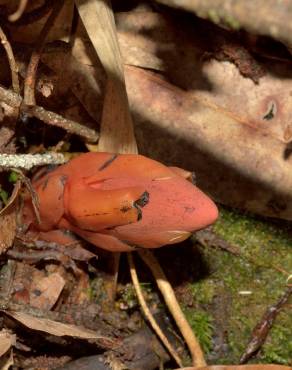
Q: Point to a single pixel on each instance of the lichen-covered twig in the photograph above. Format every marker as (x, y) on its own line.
(174, 308)
(70, 126)
(30, 80)
(148, 313)
(51, 118)
(28, 161)
(11, 60)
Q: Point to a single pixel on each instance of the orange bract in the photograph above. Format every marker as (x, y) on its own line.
(120, 202)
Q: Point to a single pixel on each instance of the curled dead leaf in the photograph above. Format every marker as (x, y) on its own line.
(7, 340)
(60, 329)
(8, 220)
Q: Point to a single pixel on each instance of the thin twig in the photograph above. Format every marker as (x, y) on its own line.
(28, 161)
(30, 80)
(148, 313)
(262, 329)
(19, 11)
(174, 308)
(11, 60)
(70, 126)
(51, 118)
(34, 196)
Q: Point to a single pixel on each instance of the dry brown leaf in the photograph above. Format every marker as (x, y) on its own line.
(7, 340)
(236, 164)
(22, 280)
(8, 220)
(45, 292)
(54, 327)
(182, 55)
(117, 133)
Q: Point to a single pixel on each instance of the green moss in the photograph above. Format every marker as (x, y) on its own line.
(274, 351)
(239, 288)
(203, 291)
(213, 16)
(13, 177)
(3, 195)
(127, 298)
(231, 22)
(221, 17)
(202, 324)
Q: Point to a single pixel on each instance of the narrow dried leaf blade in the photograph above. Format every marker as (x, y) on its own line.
(53, 327)
(117, 133)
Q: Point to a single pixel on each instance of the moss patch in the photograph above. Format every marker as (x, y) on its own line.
(239, 289)
(202, 324)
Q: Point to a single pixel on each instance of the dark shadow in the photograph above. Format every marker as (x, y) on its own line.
(288, 151)
(183, 263)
